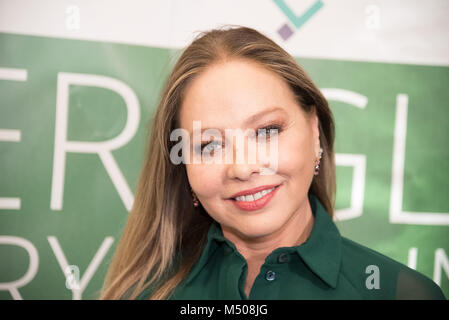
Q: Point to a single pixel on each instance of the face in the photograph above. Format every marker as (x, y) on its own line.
(240, 94)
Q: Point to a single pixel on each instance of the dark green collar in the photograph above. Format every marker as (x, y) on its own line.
(321, 252)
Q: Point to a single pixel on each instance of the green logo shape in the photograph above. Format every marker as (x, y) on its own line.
(298, 21)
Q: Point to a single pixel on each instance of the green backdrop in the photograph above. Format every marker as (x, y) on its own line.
(404, 205)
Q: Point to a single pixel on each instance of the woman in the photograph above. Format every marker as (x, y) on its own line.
(230, 230)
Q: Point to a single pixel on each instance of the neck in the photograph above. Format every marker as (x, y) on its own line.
(293, 233)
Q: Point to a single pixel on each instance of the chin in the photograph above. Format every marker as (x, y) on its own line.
(257, 228)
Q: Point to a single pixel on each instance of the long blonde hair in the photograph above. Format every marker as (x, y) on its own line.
(165, 234)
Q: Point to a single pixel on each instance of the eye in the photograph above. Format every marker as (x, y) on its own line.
(210, 146)
(265, 131)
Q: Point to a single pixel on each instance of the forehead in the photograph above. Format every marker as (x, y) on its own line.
(228, 93)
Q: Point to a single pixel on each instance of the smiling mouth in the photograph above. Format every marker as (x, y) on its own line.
(255, 201)
(254, 196)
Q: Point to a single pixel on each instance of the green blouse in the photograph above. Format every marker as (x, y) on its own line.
(326, 266)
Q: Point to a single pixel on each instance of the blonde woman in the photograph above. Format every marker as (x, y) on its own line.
(229, 229)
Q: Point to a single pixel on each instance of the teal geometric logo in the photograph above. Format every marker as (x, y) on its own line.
(298, 21)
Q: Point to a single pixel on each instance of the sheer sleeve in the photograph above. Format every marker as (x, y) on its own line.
(412, 285)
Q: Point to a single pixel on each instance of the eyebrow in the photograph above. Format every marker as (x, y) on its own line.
(253, 118)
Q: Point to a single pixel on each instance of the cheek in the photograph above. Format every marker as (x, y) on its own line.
(205, 179)
(296, 158)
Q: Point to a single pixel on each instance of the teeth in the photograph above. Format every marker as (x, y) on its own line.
(254, 196)
(249, 198)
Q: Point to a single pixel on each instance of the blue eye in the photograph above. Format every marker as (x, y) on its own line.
(210, 145)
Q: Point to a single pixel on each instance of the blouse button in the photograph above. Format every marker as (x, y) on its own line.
(270, 275)
(283, 257)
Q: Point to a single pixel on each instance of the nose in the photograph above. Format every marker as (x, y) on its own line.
(245, 162)
(242, 171)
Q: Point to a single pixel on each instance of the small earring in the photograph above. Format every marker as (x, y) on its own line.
(317, 166)
(195, 199)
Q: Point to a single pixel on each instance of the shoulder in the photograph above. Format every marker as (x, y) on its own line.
(358, 254)
(414, 285)
(378, 276)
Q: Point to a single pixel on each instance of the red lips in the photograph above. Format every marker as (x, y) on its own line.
(254, 190)
(256, 204)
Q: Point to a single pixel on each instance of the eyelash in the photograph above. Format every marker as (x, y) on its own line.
(267, 128)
